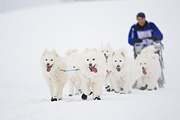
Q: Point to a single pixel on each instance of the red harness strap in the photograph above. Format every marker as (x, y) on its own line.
(107, 72)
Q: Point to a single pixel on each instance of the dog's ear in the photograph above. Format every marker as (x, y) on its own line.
(45, 51)
(94, 49)
(86, 49)
(123, 54)
(113, 53)
(54, 52)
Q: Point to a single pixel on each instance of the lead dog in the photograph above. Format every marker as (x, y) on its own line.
(92, 73)
(51, 63)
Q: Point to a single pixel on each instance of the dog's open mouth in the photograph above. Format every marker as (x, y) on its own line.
(144, 71)
(118, 69)
(106, 57)
(93, 69)
(48, 69)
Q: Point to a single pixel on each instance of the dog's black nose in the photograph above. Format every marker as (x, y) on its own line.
(105, 55)
(118, 65)
(143, 68)
(90, 64)
(47, 64)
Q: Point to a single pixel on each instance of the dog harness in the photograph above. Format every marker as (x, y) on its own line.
(68, 70)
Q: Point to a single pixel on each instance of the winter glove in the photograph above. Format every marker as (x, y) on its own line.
(138, 41)
(154, 38)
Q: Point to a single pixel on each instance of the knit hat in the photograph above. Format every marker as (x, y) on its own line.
(141, 14)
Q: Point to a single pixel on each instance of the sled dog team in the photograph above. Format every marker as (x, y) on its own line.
(87, 72)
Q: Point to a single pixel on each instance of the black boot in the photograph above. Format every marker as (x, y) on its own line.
(144, 88)
(91, 93)
(84, 97)
(97, 98)
(53, 99)
(108, 89)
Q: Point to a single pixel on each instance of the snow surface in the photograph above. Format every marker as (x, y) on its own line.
(24, 34)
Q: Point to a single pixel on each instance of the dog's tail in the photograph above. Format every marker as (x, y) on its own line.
(70, 51)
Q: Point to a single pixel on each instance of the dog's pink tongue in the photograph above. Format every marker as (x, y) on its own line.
(106, 58)
(48, 69)
(144, 71)
(94, 69)
(118, 69)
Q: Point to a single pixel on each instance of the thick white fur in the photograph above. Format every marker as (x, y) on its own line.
(150, 61)
(150, 50)
(90, 80)
(72, 57)
(55, 79)
(106, 51)
(127, 76)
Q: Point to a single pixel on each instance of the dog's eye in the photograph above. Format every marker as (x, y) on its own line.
(46, 59)
(145, 63)
(51, 59)
(73, 66)
(140, 63)
(115, 61)
(120, 60)
(87, 59)
(102, 51)
(93, 58)
(106, 51)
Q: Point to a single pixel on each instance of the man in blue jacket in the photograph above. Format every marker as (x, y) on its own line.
(145, 33)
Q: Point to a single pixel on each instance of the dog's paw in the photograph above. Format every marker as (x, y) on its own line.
(116, 91)
(144, 88)
(97, 98)
(53, 99)
(149, 89)
(91, 93)
(84, 97)
(122, 92)
(70, 95)
(155, 88)
(107, 88)
(121, 89)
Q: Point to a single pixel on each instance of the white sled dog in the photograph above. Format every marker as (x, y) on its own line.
(122, 71)
(149, 68)
(72, 57)
(92, 73)
(107, 51)
(51, 64)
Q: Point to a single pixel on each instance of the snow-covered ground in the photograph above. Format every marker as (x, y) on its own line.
(24, 35)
